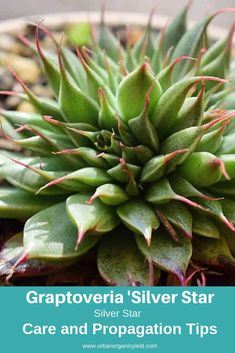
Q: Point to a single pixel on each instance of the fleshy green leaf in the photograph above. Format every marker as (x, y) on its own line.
(227, 144)
(160, 166)
(229, 164)
(95, 218)
(75, 105)
(214, 253)
(108, 42)
(201, 169)
(182, 187)
(177, 214)
(123, 172)
(50, 67)
(16, 203)
(204, 226)
(120, 262)
(175, 30)
(167, 254)
(132, 90)
(214, 208)
(143, 129)
(165, 113)
(139, 217)
(110, 194)
(12, 251)
(107, 115)
(80, 180)
(27, 179)
(190, 44)
(191, 112)
(50, 235)
(228, 206)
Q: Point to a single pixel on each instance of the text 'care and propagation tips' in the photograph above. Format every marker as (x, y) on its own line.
(121, 314)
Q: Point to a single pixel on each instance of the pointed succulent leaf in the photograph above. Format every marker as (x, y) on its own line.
(156, 60)
(171, 101)
(139, 217)
(183, 187)
(108, 42)
(25, 178)
(144, 131)
(94, 81)
(224, 188)
(227, 145)
(81, 180)
(83, 108)
(107, 115)
(16, 203)
(228, 206)
(190, 44)
(229, 238)
(125, 134)
(129, 154)
(214, 253)
(220, 65)
(159, 166)
(211, 141)
(95, 218)
(88, 154)
(175, 30)
(205, 226)
(160, 192)
(190, 137)
(26, 118)
(201, 169)
(42, 105)
(91, 60)
(143, 153)
(110, 194)
(165, 76)
(51, 70)
(229, 164)
(8, 130)
(11, 253)
(132, 188)
(167, 254)
(145, 45)
(214, 208)
(191, 112)
(120, 262)
(74, 67)
(132, 90)
(216, 49)
(123, 171)
(178, 214)
(44, 236)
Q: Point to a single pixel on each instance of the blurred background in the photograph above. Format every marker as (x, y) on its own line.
(18, 8)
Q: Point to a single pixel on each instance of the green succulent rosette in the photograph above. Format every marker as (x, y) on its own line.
(134, 155)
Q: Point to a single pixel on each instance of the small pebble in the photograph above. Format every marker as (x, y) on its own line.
(26, 107)
(42, 91)
(9, 44)
(6, 80)
(25, 67)
(12, 102)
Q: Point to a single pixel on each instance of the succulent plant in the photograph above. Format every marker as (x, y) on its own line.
(134, 156)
